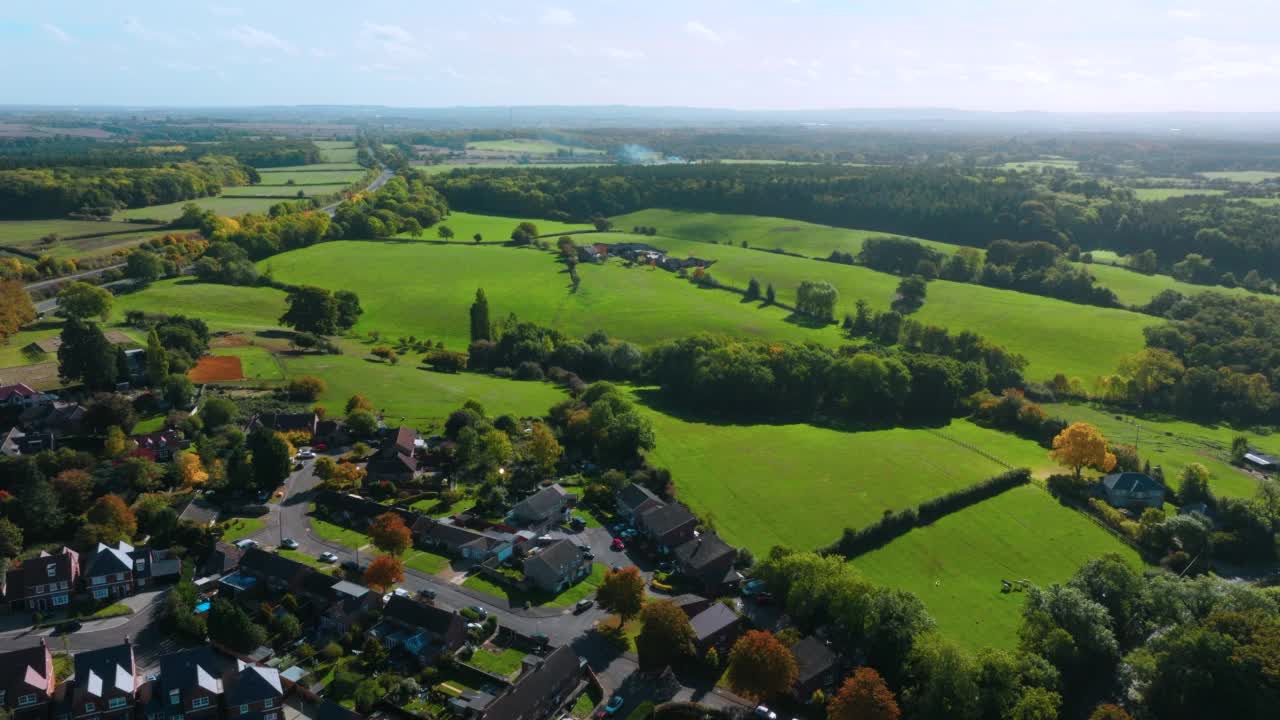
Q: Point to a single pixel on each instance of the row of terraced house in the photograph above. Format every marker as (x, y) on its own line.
(51, 581)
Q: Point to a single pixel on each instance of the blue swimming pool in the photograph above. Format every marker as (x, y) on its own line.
(203, 607)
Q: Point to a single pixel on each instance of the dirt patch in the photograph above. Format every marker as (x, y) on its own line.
(228, 341)
(216, 368)
(41, 376)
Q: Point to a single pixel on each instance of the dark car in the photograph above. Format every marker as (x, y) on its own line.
(427, 594)
(67, 627)
(583, 606)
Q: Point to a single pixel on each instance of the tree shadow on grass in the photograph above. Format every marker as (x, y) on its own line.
(654, 399)
(806, 321)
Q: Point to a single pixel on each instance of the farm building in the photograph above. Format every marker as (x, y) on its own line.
(1132, 490)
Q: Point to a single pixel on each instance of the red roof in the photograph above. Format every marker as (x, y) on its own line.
(21, 390)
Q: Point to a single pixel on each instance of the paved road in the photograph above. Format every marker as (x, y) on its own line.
(149, 641)
(44, 307)
(377, 183)
(73, 276)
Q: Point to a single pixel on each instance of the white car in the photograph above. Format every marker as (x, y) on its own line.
(306, 453)
(765, 713)
(246, 544)
(289, 544)
(328, 557)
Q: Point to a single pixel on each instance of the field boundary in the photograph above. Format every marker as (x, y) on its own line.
(970, 447)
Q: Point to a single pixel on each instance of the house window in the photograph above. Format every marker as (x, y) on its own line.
(51, 569)
(99, 593)
(175, 697)
(139, 564)
(116, 702)
(200, 702)
(59, 600)
(24, 700)
(244, 709)
(268, 703)
(98, 579)
(37, 589)
(270, 716)
(90, 707)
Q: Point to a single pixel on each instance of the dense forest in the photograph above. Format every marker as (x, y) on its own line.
(57, 192)
(950, 205)
(85, 152)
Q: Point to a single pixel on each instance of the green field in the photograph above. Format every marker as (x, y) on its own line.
(441, 168)
(224, 307)
(303, 176)
(337, 534)
(1174, 444)
(1242, 176)
(257, 363)
(1157, 194)
(800, 485)
(288, 190)
(418, 396)
(427, 563)
(336, 151)
(85, 248)
(239, 528)
(527, 146)
(1043, 164)
(431, 300)
(568, 598)
(955, 565)
(26, 234)
(493, 228)
(504, 663)
(1134, 288)
(220, 205)
(313, 168)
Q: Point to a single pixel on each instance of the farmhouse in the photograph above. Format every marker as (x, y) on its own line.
(1132, 490)
(556, 566)
(27, 681)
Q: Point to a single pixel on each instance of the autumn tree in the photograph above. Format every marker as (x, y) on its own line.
(16, 308)
(1108, 711)
(358, 402)
(191, 470)
(543, 448)
(666, 636)
(1081, 445)
(864, 696)
(760, 666)
(346, 476)
(74, 488)
(622, 593)
(115, 444)
(389, 533)
(112, 518)
(10, 540)
(325, 467)
(384, 572)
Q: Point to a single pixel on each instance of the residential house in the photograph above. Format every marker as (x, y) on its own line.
(709, 560)
(58, 417)
(391, 465)
(111, 572)
(816, 665)
(224, 559)
(549, 503)
(716, 627)
(1132, 490)
(254, 693)
(27, 680)
(285, 422)
(190, 687)
(159, 446)
(346, 602)
(635, 499)
(44, 582)
(16, 442)
(691, 604)
(667, 526)
(267, 575)
(588, 253)
(105, 685)
(542, 688)
(23, 395)
(469, 545)
(422, 630)
(357, 512)
(556, 567)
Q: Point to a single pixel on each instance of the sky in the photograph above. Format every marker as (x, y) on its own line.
(1051, 55)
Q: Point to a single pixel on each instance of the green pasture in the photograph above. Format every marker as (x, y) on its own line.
(441, 168)
(801, 486)
(419, 396)
(1134, 288)
(494, 228)
(336, 151)
(302, 176)
(224, 307)
(1164, 193)
(1042, 164)
(256, 363)
(289, 190)
(1174, 444)
(956, 564)
(313, 168)
(220, 205)
(26, 234)
(529, 146)
(414, 288)
(1242, 176)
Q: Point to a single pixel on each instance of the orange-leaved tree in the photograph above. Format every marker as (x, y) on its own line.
(190, 469)
(1081, 445)
(864, 696)
(1109, 712)
(622, 593)
(383, 572)
(112, 518)
(760, 666)
(389, 533)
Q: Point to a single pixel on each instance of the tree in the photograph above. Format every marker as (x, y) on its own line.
(602, 224)
(1037, 704)
(191, 470)
(232, 627)
(86, 355)
(115, 444)
(1081, 445)
(346, 476)
(543, 448)
(1193, 486)
(82, 300)
(362, 423)
(753, 290)
(10, 540)
(666, 637)
(157, 359)
(143, 266)
(387, 353)
(477, 238)
(384, 572)
(911, 294)
(41, 514)
(218, 411)
(480, 328)
(179, 392)
(74, 488)
(324, 467)
(864, 696)
(1239, 448)
(944, 683)
(770, 297)
(16, 308)
(760, 666)
(389, 533)
(524, 233)
(1108, 711)
(271, 459)
(817, 299)
(358, 402)
(622, 593)
(445, 232)
(305, 388)
(311, 309)
(113, 518)
(349, 310)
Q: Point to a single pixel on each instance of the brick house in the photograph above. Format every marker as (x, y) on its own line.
(255, 693)
(635, 499)
(556, 567)
(709, 560)
(44, 582)
(105, 686)
(422, 630)
(668, 526)
(111, 572)
(190, 686)
(27, 681)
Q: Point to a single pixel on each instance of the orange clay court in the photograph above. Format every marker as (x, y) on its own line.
(216, 368)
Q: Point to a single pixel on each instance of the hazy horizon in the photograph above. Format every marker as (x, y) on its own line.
(1000, 56)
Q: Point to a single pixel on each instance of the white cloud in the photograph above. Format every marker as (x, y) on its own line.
(1185, 15)
(623, 55)
(702, 32)
(258, 39)
(134, 27)
(225, 10)
(557, 16)
(58, 33)
(393, 33)
(396, 46)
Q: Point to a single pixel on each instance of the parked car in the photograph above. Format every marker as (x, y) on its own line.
(617, 544)
(306, 453)
(583, 606)
(612, 707)
(765, 713)
(320, 447)
(246, 544)
(328, 557)
(427, 594)
(479, 611)
(67, 627)
(752, 587)
(586, 553)
(474, 627)
(289, 544)
(667, 567)
(577, 522)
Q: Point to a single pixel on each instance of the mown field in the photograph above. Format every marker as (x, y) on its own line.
(441, 168)
(1158, 194)
(302, 176)
(414, 288)
(1043, 164)
(529, 147)
(224, 307)
(1242, 176)
(220, 205)
(26, 234)
(956, 564)
(493, 228)
(312, 168)
(800, 485)
(1174, 444)
(257, 363)
(336, 151)
(85, 248)
(289, 190)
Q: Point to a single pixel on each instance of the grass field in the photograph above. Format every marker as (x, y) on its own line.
(242, 527)
(289, 190)
(568, 598)
(305, 559)
(493, 228)
(312, 169)
(425, 562)
(1157, 194)
(800, 485)
(529, 146)
(222, 206)
(224, 307)
(955, 565)
(504, 663)
(303, 176)
(337, 534)
(257, 363)
(26, 234)
(336, 151)
(432, 300)
(1046, 163)
(1174, 444)
(1133, 288)
(1242, 176)
(441, 168)
(86, 248)
(418, 396)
